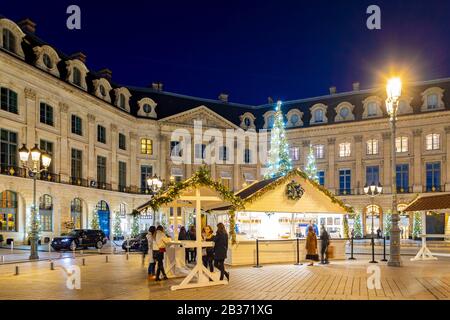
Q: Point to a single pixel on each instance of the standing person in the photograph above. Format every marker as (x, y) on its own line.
(311, 246)
(220, 250)
(183, 235)
(324, 243)
(152, 263)
(160, 240)
(193, 237)
(208, 255)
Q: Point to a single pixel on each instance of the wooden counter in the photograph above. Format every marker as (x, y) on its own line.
(276, 251)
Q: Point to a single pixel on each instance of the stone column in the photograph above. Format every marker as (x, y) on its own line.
(447, 157)
(91, 148)
(417, 174)
(236, 177)
(114, 164)
(62, 149)
(387, 187)
(331, 174)
(358, 164)
(164, 150)
(31, 107)
(134, 172)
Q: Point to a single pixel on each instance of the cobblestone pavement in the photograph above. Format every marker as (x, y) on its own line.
(120, 278)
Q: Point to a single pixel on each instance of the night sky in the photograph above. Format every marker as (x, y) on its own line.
(249, 49)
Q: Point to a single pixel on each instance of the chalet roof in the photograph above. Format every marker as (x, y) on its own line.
(426, 203)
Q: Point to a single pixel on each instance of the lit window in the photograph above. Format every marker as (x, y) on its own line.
(401, 144)
(372, 147)
(46, 213)
(372, 109)
(432, 141)
(344, 149)
(146, 146)
(432, 101)
(294, 153)
(319, 151)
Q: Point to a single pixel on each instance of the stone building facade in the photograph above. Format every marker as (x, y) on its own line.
(106, 139)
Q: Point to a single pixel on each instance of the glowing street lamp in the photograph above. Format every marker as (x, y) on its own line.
(154, 183)
(37, 156)
(394, 92)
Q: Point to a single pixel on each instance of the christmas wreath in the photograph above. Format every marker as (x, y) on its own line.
(294, 190)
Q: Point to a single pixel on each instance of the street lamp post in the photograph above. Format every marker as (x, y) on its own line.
(372, 191)
(155, 184)
(33, 171)
(394, 91)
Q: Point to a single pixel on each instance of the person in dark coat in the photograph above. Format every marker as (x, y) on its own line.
(183, 235)
(192, 251)
(324, 243)
(208, 253)
(220, 250)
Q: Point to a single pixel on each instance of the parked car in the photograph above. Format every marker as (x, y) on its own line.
(136, 243)
(80, 238)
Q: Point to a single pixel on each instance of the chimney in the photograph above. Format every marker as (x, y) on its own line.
(223, 97)
(27, 25)
(105, 73)
(157, 86)
(355, 86)
(332, 90)
(80, 56)
(269, 100)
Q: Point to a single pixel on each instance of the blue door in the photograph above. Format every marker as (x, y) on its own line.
(103, 217)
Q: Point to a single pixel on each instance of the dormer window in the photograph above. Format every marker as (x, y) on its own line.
(432, 99)
(269, 119)
(102, 89)
(318, 116)
(344, 112)
(47, 61)
(11, 37)
(318, 113)
(9, 41)
(122, 101)
(122, 98)
(76, 76)
(147, 108)
(247, 121)
(76, 73)
(371, 109)
(294, 117)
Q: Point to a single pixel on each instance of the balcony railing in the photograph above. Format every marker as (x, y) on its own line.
(101, 185)
(404, 189)
(49, 176)
(13, 171)
(346, 192)
(78, 181)
(433, 188)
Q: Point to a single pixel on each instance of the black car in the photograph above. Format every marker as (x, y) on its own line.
(80, 238)
(136, 244)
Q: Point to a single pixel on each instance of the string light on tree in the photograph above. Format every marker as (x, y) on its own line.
(310, 167)
(279, 162)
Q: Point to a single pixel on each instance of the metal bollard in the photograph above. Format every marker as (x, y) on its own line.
(106, 259)
(257, 254)
(83, 261)
(127, 256)
(12, 246)
(3, 259)
(298, 253)
(17, 271)
(351, 249)
(52, 266)
(384, 249)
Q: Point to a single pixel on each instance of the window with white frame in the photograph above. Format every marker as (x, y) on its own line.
(401, 144)
(432, 141)
(372, 109)
(318, 115)
(372, 147)
(319, 151)
(294, 153)
(344, 149)
(432, 101)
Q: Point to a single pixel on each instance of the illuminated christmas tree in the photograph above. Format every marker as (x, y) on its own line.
(310, 167)
(417, 225)
(95, 224)
(279, 162)
(357, 227)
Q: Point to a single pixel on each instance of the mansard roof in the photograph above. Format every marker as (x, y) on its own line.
(168, 104)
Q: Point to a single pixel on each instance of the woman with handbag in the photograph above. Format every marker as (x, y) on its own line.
(311, 246)
(160, 241)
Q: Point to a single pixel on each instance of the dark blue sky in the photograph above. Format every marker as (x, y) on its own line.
(249, 49)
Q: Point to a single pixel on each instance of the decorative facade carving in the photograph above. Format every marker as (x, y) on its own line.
(30, 93)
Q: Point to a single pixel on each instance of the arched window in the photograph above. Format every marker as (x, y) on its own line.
(8, 211)
(318, 115)
(76, 213)
(77, 76)
(9, 41)
(46, 212)
(122, 101)
(371, 109)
